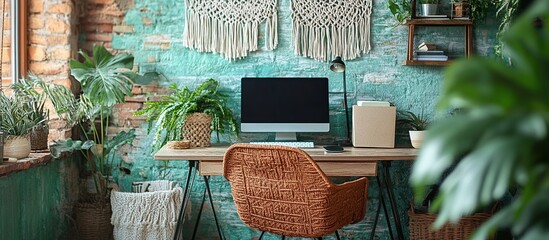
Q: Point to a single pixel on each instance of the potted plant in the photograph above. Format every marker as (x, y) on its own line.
(460, 8)
(16, 124)
(174, 114)
(497, 148)
(428, 7)
(401, 10)
(105, 80)
(417, 124)
(30, 90)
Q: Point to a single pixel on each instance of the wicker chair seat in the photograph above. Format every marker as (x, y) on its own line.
(283, 191)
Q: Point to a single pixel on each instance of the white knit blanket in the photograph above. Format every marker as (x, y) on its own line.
(229, 27)
(324, 29)
(146, 215)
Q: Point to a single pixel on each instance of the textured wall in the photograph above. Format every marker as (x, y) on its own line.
(152, 30)
(37, 203)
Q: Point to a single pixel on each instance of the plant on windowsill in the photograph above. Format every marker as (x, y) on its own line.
(173, 116)
(30, 90)
(417, 124)
(105, 80)
(16, 125)
(498, 145)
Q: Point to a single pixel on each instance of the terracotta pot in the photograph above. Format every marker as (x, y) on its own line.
(416, 137)
(460, 9)
(17, 146)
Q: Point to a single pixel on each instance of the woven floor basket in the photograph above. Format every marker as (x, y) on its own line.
(421, 226)
(93, 221)
(39, 138)
(197, 129)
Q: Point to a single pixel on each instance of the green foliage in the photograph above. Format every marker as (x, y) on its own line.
(414, 122)
(15, 116)
(401, 10)
(106, 80)
(30, 91)
(500, 141)
(169, 114)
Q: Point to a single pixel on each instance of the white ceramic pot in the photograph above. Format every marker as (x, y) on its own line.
(416, 137)
(429, 9)
(17, 146)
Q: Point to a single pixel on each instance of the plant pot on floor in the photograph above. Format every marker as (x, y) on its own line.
(17, 147)
(416, 137)
(93, 220)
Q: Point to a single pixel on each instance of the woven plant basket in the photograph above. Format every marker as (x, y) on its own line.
(420, 226)
(197, 129)
(39, 138)
(93, 221)
(17, 146)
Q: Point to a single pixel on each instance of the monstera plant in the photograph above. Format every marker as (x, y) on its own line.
(106, 80)
(498, 146)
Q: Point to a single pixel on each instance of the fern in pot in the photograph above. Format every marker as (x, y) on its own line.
(190, 115)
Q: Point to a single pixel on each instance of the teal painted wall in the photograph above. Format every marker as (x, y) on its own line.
(156, 42)
(37, 203)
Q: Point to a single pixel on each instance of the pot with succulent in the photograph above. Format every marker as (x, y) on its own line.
(417, 124)
(106, 80)
(30, 90)
(174, 117)
(16, 125)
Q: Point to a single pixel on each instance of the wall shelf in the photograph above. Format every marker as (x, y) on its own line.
(466, 24)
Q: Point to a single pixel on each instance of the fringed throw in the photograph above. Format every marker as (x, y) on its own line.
(323, 30)
(229, 27)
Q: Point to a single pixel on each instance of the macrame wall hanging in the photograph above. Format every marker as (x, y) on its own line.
(229, 27)
(324, 29)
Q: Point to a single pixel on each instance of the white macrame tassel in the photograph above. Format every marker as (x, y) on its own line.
(325, 42)
(233, 38)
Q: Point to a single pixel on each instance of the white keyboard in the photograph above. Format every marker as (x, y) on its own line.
(288, 144)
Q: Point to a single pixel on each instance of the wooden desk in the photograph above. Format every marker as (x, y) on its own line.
(351, 162)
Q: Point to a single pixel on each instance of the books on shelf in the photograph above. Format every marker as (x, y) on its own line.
(431, 57)
(426, 46)
(432, 52)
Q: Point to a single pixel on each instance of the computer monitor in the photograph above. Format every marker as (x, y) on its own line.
(285, 106)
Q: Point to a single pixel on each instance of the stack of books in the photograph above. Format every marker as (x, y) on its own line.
(429, 52)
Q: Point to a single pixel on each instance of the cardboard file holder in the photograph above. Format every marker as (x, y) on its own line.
(374, 126)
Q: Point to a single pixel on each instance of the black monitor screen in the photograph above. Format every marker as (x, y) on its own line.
(285, 100)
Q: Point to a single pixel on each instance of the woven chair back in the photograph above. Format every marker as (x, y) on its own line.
(280, 190)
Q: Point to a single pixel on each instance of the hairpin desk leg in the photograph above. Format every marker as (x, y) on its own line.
(191, 172)
(199, 213)
(389, 188)
(382, 202)
(207, 183)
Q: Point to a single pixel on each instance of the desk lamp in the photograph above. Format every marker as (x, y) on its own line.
(338, 66)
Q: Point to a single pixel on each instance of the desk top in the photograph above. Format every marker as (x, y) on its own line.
(350, 154)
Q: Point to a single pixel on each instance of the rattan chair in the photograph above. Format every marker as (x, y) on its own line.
(282, 190)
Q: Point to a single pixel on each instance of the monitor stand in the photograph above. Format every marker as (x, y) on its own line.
(285, 136)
